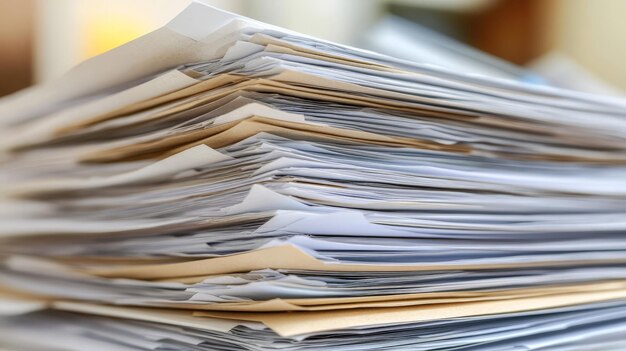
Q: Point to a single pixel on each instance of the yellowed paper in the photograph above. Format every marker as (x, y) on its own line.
(296, 323)
(286, 257)
(386, 301)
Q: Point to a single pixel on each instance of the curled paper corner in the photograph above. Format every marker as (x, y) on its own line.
(259, 110)
(260, 198)
(189, 159)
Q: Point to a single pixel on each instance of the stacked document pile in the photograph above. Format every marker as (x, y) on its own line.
(221, 184)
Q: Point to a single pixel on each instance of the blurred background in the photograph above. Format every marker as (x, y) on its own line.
(578, 44)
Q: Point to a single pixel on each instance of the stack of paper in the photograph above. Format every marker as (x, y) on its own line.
(221, 184)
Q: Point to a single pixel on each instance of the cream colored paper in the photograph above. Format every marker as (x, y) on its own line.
(297, 323)
(286, 257)
(387, 301)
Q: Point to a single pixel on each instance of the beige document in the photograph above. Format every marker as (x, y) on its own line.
(296, 323)
(286, 256)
